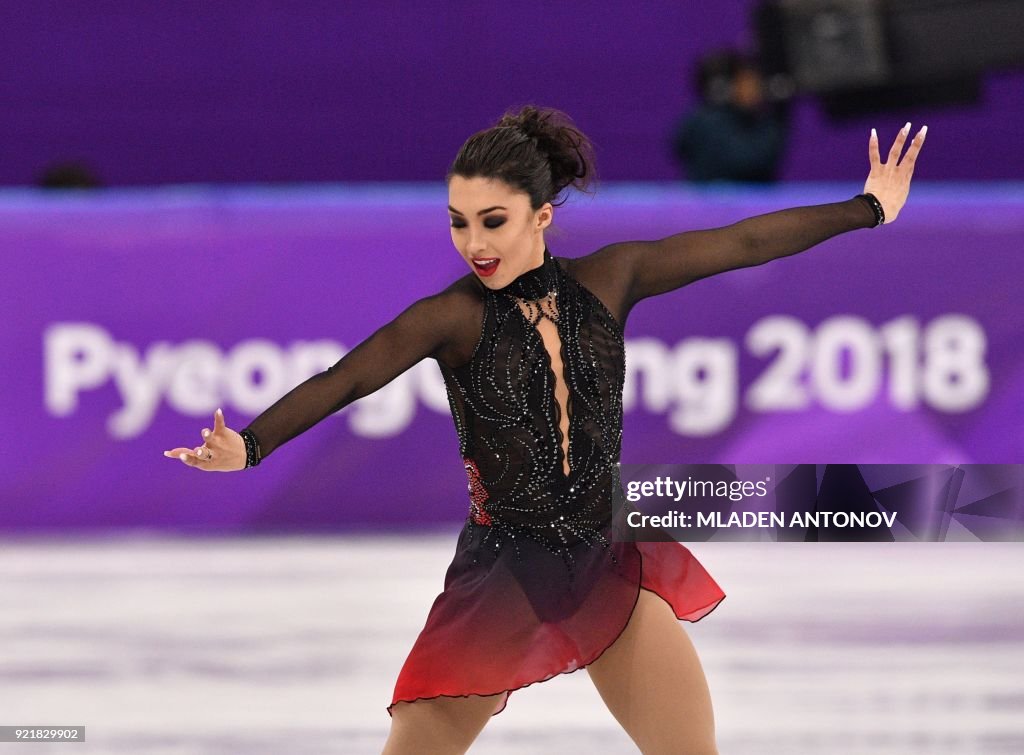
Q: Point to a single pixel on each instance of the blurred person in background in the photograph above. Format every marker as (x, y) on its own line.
(70, 174)
(735, 133)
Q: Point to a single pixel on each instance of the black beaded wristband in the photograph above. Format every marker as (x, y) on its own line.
(876, 207)
(252, 448)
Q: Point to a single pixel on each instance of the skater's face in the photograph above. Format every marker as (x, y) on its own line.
(493, 223)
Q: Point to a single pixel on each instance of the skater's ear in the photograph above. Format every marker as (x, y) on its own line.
(544, 216)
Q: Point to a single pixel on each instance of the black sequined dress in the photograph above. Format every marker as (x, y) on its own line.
(534, 373)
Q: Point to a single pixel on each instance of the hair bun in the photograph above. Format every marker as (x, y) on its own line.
(530, 121)
(537, 150)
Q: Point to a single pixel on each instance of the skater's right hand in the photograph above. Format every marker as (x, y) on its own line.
(223, 444)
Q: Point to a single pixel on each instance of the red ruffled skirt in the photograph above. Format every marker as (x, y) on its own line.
(516, 616)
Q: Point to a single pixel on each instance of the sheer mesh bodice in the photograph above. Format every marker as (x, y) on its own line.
(534, 373)
(538, 409)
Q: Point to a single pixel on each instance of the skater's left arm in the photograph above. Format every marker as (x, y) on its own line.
(639, 269)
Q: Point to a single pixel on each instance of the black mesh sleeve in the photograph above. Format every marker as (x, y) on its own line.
(444, 326)
(623, 273)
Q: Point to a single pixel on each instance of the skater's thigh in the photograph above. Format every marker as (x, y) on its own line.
(652, 682)
(439, 725)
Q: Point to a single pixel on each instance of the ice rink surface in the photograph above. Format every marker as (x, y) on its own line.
(292, 645)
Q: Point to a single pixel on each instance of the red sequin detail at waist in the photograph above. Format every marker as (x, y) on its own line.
(477, 494)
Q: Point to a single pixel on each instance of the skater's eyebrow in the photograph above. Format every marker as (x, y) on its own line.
(482, 212)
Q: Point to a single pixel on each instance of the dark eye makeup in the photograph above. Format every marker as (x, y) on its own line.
(491, 222)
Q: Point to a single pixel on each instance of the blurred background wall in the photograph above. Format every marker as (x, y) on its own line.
(267, 91)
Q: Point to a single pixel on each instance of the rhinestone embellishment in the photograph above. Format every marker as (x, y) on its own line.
(508, 415)
(477, 494)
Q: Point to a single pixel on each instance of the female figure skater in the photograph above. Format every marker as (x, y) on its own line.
(531, 350)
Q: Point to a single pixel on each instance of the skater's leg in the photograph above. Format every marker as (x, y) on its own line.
(652, 682)
(439, 725)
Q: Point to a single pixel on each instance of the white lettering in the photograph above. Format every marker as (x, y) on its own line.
(141, 383)
(695, 382)
(78, 357)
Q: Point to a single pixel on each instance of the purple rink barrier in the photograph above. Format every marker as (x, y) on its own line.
(131, 316)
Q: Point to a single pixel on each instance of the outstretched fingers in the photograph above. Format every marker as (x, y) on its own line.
(890, 181)
(873, 157)
(187, 455)
(897, 146)
(915, 147)
(218, 427)
(203, 456)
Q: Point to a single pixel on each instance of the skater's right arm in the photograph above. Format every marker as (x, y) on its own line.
(444, 326)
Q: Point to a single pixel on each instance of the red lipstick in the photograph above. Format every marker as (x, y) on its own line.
(485, 266)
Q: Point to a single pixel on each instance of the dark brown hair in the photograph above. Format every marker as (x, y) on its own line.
(538, 151)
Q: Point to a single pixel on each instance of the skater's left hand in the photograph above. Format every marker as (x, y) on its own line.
(890, 181)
